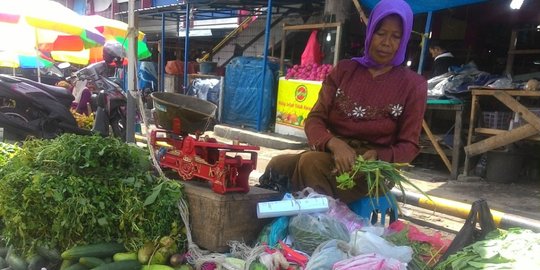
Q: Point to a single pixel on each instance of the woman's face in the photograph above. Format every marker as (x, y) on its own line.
(386, 39)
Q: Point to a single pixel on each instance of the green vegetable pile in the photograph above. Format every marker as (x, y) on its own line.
(7, 151)
(425, 256)
(77, 190)
(379, 175)
(513, 249)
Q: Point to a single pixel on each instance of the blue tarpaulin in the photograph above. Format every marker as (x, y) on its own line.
(243, 93)
(421, 6)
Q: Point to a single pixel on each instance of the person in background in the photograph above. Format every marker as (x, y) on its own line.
(371, 106)
(442, 58)
(82, 91)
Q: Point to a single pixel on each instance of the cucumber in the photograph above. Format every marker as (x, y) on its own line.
(3, 252)
(95, 250)
(121, 265)
(156, 267)
(91, 262)
(16, 262)
(67, 263)
(77, 266)
(124, 256)
(3, 263)
(36, 262)
(50, 254)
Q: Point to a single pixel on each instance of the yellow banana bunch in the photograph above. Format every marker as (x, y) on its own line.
(83, 120)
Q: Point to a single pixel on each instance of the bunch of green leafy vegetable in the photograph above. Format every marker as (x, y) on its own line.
(7, 151)
(379, 175)
(76, 190)
(424, 255)
(516, 248)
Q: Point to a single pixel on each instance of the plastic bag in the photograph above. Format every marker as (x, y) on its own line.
(470, 232)
(414, 234)
(311, 230)
(371, 261)
(173, 68)
(312, 53)
(366, 242)
(275, 231)
(327, 254)
(338, 210)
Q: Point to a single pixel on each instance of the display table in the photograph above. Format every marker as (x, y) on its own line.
(529, 131)
(446, 105)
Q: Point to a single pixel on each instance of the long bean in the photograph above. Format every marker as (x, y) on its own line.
(378, 175)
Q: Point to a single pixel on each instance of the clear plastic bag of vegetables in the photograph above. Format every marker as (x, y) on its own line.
(310, 230)
(327, 254)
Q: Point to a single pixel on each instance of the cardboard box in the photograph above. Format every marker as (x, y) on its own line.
(294, 101)
(217, 219)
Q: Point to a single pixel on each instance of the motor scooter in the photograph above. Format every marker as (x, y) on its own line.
(29, 108)
(111, 102)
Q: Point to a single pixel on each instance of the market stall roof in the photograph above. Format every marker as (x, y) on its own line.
(211, 9)
(422, 6)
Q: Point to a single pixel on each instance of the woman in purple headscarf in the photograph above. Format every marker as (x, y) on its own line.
(370, 106)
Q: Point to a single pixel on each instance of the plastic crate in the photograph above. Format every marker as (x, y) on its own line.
(496, 119)
(518, 121)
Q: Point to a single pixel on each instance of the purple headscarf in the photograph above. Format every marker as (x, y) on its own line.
(381, 10)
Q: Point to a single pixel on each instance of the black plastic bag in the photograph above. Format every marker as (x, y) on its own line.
(480, 215)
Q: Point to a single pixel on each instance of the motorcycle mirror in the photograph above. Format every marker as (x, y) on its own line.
(64, 65)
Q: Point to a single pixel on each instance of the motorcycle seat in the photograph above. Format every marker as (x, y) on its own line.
(62, 94)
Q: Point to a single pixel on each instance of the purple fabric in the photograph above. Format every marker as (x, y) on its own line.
(381, 10)
(82, 106)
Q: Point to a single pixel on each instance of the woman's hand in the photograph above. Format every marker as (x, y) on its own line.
(344, 155)
(370, 155)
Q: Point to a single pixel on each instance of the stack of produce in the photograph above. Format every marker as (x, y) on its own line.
(513, 249)
(76, 191)
(311, 72)
(83, 120)
(7, 151)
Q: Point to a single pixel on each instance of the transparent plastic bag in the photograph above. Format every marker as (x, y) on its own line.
(311, 230)
(338, 210)
(366, 242)
(371, 261)
(327, 254)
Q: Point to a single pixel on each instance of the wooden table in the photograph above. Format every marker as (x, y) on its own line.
(530, 130)
(457, 107)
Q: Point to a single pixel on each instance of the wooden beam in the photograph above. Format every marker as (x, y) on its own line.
(523, 111)
(500, 140)
(437, 146)
(363, 17)
(492, 131)
(515, 93)
(311, 26)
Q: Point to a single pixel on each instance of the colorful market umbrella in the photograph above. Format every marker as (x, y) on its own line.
(18, 60)
(55, 26)
(19, 50)
(27, 26)
(114, 31)
(110, 28)
(93, 55)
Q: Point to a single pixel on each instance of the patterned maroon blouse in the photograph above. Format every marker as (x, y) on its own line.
(386, 111)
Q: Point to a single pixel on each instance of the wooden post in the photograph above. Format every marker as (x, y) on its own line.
(363, 17)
